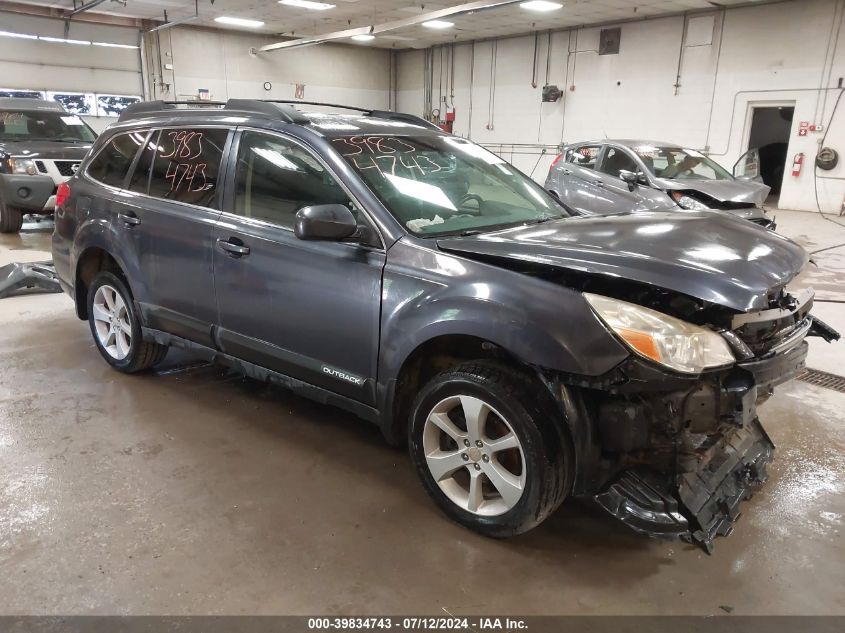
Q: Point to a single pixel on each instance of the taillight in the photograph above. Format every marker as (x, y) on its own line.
(62, 194)
(555, 161)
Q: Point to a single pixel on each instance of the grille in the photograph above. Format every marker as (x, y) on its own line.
(823, 379)
(41, 166)
(66, 167)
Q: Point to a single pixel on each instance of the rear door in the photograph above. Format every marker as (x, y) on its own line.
(307, 309)
(581, 182)
(170, 224)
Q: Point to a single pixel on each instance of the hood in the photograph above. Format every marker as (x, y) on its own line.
(46, 149)
(738, 191)
(710, 256)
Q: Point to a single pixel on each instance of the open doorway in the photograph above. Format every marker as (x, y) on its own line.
(770, 129)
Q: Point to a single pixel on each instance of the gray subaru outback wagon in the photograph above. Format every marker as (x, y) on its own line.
(372, 262)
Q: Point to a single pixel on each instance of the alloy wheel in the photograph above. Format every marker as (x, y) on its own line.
(112, 322)
(474, 455)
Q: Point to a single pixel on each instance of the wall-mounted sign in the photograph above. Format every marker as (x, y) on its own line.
(268, 85)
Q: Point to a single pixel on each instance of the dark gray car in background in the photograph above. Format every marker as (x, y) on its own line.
(374, 263)
(613, 176)
(41, 146)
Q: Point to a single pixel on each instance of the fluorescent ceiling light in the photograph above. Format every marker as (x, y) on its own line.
(438, 24)
(111, 45)
(253, 24)
(308, 4)
(24, 36)
(363, 38)
(541, 5)
(62, 40)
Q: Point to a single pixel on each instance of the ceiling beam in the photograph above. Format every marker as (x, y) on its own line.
(469, 7)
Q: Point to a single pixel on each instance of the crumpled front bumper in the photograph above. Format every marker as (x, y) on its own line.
(700, 498)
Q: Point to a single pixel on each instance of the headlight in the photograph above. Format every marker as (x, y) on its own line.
(688, 202)
(666, 340)
(23, 166)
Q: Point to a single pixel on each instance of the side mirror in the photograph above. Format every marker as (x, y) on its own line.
(633, 178)
(330, 222)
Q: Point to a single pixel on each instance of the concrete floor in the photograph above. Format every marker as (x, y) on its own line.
(191, 491)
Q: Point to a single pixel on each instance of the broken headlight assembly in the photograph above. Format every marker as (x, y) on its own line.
(686, 201)
(23, 166)
(671, 342)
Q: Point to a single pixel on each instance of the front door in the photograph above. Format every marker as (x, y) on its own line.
(307, 309)
(619, 196)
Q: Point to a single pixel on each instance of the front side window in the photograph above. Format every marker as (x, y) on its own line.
(111, 164)
(616, 160)
(187, 165)
(43, 126)
(275, 178)
(584, 156)
(436, 185)
(675, 163)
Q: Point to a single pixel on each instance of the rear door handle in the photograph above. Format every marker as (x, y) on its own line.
(598, 183)
(566, 172)
(129, 219)
(232, 248)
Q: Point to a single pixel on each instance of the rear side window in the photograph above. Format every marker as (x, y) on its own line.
(584, 156)
(275, 178)
(112, 163)
(186, 165)
(141, 175)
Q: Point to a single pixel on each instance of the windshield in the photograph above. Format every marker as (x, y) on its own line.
(676, 163)
(436, 185)
(43, 126)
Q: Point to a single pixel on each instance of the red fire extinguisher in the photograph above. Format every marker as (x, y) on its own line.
(796, 164)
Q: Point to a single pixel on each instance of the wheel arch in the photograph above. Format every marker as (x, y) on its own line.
(92, 260)
(423, 362)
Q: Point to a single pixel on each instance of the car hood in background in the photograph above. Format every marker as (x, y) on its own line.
(709, 255)
(739, 191)
(46, 149)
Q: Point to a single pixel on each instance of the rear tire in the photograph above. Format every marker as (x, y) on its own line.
(498, 458)
(11, 218)
(116, 326)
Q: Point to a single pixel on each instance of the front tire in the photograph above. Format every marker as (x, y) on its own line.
(116, 327)
(491, 448)
(11, 218)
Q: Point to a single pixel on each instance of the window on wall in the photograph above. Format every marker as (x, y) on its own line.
(275, 178)
(111, 165)
(186, 166)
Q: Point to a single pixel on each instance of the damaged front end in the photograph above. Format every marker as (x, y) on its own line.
(678, 454)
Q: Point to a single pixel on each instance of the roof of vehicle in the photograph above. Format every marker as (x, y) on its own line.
(331, 124)
(629, 143)
(21, 103)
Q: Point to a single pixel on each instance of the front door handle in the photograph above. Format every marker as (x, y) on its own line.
(129, 219)
(232, 247)
(598, 183)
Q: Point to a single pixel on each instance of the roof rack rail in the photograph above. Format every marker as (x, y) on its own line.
(142, 107)
(274, 108)
(404, 117)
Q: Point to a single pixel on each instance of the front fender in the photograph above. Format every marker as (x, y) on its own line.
(428, 294)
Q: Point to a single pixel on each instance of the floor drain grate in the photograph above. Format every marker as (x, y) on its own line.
(823, 379)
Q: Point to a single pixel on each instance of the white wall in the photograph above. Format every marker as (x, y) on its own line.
(733, 59)
(220, 62)
(40, 65)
